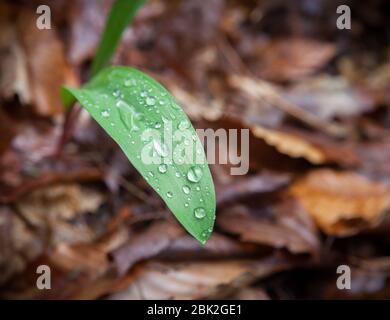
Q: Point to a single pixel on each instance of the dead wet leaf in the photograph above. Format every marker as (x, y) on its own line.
(290, 145)
(283, 226)
(33, 62)
(18, 244)
(219, 246)
(254, 185)
(149, 243)
(329, 97)
(376, 159)
(54, 207)
(251, 293)
(342, 203)
(64, 201)
(293, 58)
(72, 267)
(266, 92)
(319, 157)
(315, 148)
(195, 280)
(7, 131)
(86, 20)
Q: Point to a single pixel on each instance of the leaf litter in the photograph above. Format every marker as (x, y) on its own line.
(317, 191)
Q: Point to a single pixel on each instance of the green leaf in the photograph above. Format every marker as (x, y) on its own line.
(147, 123)
(122, 12)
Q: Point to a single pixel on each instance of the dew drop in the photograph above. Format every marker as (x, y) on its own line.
(143, 94)
(186, 189)
(184, 124)
(169, 194)
(175, 106)
(162, 168)
(130, 82)
(194, 174)
(116, 93)
(127, 114)
(197, 188)
(150, 101)
(177, 174)
(186, 204)
(165, 120)
(151, 173)
(157, 125)
(105, 114)
(200, 213)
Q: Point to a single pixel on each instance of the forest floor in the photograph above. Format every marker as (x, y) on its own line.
(317, 195)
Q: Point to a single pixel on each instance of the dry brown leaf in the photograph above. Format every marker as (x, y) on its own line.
(32, 62)
(328, 97)
(315, 149)
(86, 25)
(217, 247)
(71, 268)
(18, 244)
(195, 280)
(148, 243)
(55, 206)
(342, 203)
(282, 226)
(266, 92)
(237, 189)
(293, 58)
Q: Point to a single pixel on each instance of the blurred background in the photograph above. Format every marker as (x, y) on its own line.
(317, 195)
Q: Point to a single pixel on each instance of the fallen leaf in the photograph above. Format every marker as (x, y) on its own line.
(195, 280)
(27, 60)
(329, 97)
(293, 58)
(312, 147)
(55, 207)
(147, 244)
(342, 203)
(281, 226)
(256, 184)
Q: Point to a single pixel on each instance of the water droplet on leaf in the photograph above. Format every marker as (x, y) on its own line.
(105, 114)
(162, 168)
(194, 174)
(184, 124)
(116, 93)
(186, 189)
(150, 101)
(200, 213)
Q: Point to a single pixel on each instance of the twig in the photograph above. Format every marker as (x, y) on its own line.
(260, 89)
